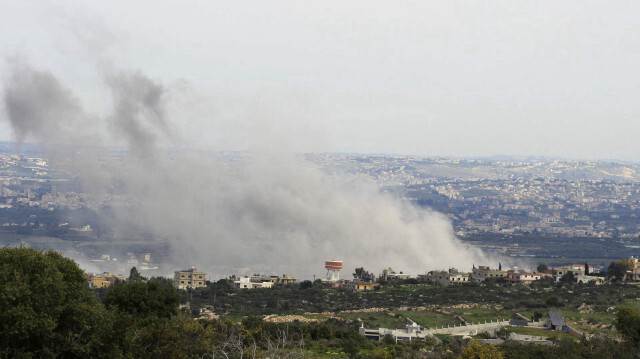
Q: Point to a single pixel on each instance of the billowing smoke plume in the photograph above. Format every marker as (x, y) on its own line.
(273, 214)
(39, 107)
(139, 111)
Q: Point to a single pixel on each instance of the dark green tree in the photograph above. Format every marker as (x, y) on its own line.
(46, 308)
(351, 347)
(135, 275)
(617, 271)
(363, 275)
(542, 268)
(503, 333)
(568, 277)
(553, 301)
(306, 284)
(537, 316)
(388, 339)
(627, 323)
(586, 268)
(156, 298)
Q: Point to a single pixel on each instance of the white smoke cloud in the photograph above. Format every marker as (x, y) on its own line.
(270, 212)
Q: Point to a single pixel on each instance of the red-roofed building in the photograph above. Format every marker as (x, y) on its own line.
(522, 278)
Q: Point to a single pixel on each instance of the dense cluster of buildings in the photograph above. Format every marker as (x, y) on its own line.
(557, 198)
(502, 197)
(453, 276)
(544, 206)
(578, 273)
(578, 199)
(513, 276)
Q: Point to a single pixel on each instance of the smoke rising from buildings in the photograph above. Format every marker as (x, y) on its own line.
(273, 213)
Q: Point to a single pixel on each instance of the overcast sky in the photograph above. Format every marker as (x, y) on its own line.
(452, 78)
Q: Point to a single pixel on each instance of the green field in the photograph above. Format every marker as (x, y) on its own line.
(428, 318)
(480, 315)
(589, 322)
(377, 319)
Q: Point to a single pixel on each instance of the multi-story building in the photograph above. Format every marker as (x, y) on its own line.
(390, 274)
(635, 272)
(284, 279)
(287, 279)
(189, 278)
(578, 274)
(483, 273)
(517, 277)
(446, 278)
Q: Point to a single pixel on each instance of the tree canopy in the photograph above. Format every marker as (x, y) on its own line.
(568, 277)
(475, 350)
(363, 275)
(542, 268)
(617, 271)
(46, 309)
(628, 324)
(134, 275)
(156, 298)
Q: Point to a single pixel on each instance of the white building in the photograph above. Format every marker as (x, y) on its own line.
(446, 278)
(522, 278)
(246, 283)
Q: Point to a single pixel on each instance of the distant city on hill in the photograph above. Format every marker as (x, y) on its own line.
(558, 212)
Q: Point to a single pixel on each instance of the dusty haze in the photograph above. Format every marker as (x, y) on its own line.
(269, 211)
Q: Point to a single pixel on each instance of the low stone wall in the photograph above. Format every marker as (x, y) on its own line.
(470, 329)
(288, 319)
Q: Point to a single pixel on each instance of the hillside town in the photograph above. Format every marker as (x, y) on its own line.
(364, 281)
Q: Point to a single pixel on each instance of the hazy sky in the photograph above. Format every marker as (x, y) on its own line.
(462, 78)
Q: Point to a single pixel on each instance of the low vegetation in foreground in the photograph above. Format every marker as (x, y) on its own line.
(47, 311)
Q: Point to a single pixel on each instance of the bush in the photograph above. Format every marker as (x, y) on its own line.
(503, 333)
(553, 301)
(388, 339)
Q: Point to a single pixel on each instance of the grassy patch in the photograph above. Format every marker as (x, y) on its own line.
(589, 322)
(480, 315)
(377, 319)
(633, 303)
(428, 318)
